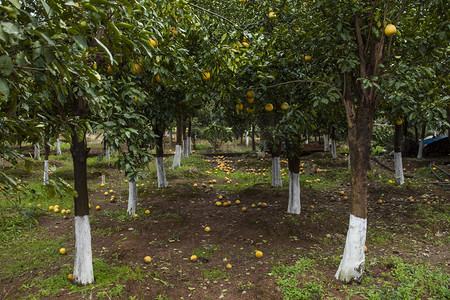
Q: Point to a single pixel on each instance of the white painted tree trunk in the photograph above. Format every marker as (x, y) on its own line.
(37, 152)
(160, 171)
(351, 267)
(58, 147)
(177, 158)
(189, 145)
(399, 168)
(185, 149)
(276, 173)
(262, 153)
(326, 143)
(108, 154)
(132, 197)
(333, 149)
(46, 172)
(294, 194)
(421, 145)
(307, 140)
(246, 138)
(83, 272)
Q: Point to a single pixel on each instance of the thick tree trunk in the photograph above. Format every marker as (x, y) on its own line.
(400, 179)
(294, 205)
(276, 171)
(421, 141)
(58, 147)
(132, 197)
(83, 273)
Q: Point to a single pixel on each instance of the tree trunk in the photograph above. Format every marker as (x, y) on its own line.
(46, 168)
(421, 141)
(294, 205)
(160, 171)
(253, 138)
(83, 273)
(170, 138)
(326, 143)
(178, 148)
(37, 152)
(185, 143)
(276, 168)
(400, 179)
(132, 197)
(58, 147)
(333, 143)
(189, 138)
(246, 138)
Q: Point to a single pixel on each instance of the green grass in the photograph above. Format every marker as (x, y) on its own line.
(110, 280)
(33, 250)
(296, 282)
(205, 252)
(407, 281)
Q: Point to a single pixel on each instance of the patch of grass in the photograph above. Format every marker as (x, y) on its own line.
(205, 251)
(33, 250)
(215, 274)
(122, 215)
(109, 281)
(289, 279)
(409, 281)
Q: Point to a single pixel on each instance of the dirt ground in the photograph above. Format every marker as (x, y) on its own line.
(175, 229)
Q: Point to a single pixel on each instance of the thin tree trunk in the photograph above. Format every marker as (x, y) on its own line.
(421, 141)
(253, 138)
(170, 137)
(326, 143)
(46, 167)
(58, 147)
(333, 143)
(178, 148)
(189, 138)
(398, 155)
(37, 152)
(160, 171)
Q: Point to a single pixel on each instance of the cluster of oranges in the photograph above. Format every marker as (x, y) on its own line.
(56, 209)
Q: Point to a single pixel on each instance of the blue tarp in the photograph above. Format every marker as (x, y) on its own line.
(429, 141)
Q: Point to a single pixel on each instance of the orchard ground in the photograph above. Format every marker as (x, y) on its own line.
(407, 240)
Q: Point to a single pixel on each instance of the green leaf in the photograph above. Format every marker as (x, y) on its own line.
(4, 88)
(6, 65)
(16, 3)
(81, 40)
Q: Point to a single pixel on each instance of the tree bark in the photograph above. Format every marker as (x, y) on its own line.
(178, 148)
(37, 152)
(160, 171)
(253, 138)
(132, 197)
(83, 273)
(294, 204)
(58, 147)
(421, 141)
(400, 179)
(333, 143)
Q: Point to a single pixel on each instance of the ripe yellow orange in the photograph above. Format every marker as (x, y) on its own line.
(147, 212)
(135, 216)
(194, 258)
(342, 192)
(63, 251)
(390, 30)
(307, 58)
(68, 211)
(272, 15)
(229, 266)
(345, 198)
(284, 106)
(207, 229)
(70, 277)
(63, 211)
(174, 30)
(399, 122)
(218, 203)
(109, 70)
(154, 42)
(250, 100)
(238, 202)
(206, 75)
(239, 106)
(98, 207)
(56, 210)
(365, 248)
(102, 184)
(380, 201)
(147, 259)
(135, 99)
(136, 69)
(245, 44)
(111, 191)
(106, 193)
(258, 254)
(244, 209)
(268, 107)
(51, 207)
(250, 94)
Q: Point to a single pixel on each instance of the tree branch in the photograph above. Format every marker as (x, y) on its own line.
(214, 14)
